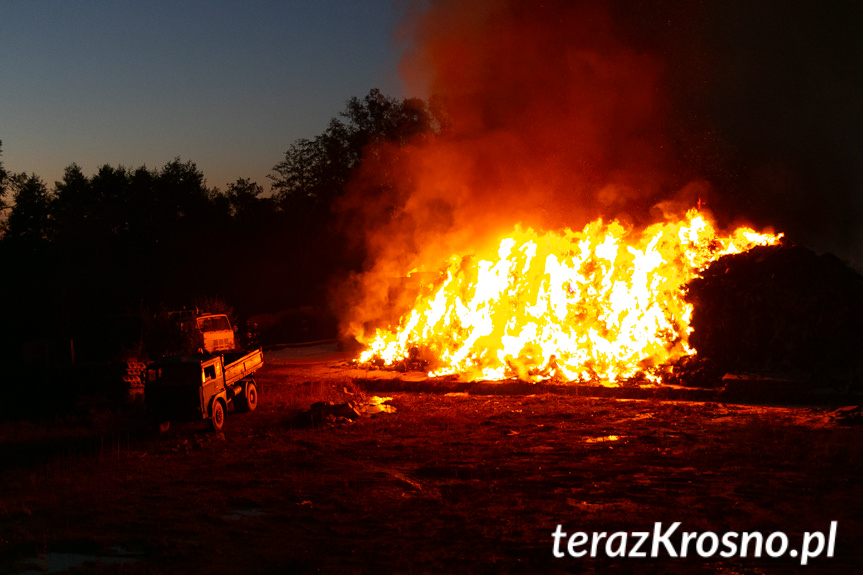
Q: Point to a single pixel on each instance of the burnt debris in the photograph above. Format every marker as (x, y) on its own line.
(780, 310)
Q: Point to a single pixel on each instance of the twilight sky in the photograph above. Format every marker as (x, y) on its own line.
(765, 96)
(226, 84)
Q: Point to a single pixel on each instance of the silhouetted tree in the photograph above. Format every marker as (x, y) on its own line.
(378, 118)
(74, 207)
(180, 189)
(314, 172)
(3, 176)
(96, 250)
(29, 217)
(245, 201)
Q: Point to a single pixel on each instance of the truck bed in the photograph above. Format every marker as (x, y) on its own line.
(239, 365)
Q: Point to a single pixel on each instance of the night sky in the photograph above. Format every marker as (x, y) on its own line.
(228, 85)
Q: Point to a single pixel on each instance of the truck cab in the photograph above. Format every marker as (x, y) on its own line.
(217, 332)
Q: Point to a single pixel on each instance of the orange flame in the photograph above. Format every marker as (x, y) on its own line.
(603, 304)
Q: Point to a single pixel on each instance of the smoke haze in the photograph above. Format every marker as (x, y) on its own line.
(560, 112)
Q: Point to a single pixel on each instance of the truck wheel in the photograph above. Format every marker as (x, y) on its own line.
(217, 421)
(248, 401)
(251, 396)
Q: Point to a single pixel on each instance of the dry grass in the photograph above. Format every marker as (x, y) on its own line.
(448, 483)
(299, 396)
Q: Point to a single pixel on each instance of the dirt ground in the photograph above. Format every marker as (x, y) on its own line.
(448, 483)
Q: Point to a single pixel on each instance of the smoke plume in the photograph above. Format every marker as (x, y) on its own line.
(559, 112)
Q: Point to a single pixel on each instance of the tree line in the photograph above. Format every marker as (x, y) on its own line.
(82, 255)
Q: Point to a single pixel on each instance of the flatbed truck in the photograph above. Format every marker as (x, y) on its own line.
(198, 387)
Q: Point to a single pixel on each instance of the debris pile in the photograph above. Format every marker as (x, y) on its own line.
(848, 415)
(780, 310)
(329, 413)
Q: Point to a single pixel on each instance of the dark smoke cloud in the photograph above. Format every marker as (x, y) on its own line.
(766, 100)
(564, 111)
(556, 120)
(552, 121)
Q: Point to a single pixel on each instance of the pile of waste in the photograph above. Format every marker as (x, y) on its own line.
(328, 413)
(780, 310)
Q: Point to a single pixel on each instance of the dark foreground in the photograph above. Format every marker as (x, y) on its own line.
(453, 483)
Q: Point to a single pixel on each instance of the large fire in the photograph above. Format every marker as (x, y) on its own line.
(604, 304)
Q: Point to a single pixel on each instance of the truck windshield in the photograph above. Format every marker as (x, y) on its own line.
(214, 323)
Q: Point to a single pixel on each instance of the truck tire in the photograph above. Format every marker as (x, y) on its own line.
(217, 420)
(249, 400)
(251, 396)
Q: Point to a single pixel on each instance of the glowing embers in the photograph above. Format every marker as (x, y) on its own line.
(603, 304)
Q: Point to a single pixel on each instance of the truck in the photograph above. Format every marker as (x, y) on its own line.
(201, 386)
(215, 328)
(217, 332)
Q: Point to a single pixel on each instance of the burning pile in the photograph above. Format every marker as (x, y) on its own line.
(603, 304)
(555, 114)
